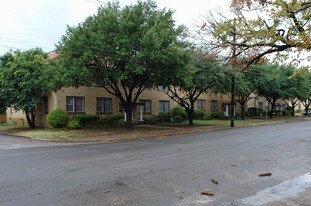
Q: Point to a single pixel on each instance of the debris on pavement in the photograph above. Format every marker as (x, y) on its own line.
(265, 174)
(208, 193)
(214, 181)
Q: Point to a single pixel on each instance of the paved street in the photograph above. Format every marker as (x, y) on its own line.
(156, 172)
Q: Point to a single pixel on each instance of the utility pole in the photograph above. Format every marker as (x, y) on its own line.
(233, 59)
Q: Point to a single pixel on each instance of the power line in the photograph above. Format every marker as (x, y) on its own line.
(10, 32)
(10, 47)
(94, 2)
(23, 42)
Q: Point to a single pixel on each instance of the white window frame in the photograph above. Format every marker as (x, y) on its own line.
(164, 106)
(74, 104)
(202, 106)
(144, 106)
(103, 105)
(214, 105)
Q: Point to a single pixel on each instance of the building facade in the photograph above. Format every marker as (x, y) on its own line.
(96, 100)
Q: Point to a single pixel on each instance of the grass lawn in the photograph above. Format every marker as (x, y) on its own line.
(226, 123)
(116, 133)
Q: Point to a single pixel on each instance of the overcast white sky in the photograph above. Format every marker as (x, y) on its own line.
(27, 24)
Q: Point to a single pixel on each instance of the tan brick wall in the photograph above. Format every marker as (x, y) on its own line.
(155, 96)
(90, 94)
(16, 118)
(208, 97)
(58, 100)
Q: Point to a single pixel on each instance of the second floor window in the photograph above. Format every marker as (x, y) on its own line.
(201, 104)
(146, 106)
(164, 106)
(214, 105)
(75, 104)
(104, 105)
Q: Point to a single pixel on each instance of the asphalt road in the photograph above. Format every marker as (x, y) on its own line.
(163, 171)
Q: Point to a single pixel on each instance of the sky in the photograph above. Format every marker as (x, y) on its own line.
(26, 24)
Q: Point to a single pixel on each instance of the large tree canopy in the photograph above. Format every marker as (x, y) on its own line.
(128, 48)
(261, 27)
(243, 89)
(305, 93)
(296, 87)
(190, 82)
(270, 81)
(23, 81)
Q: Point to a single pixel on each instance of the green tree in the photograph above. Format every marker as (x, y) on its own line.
(128, 48)
(243, 89)
(296, 87)
(23, 81)
(188, 84)
(306, 102)
(261, 28)
(270, 81)
(305, 95)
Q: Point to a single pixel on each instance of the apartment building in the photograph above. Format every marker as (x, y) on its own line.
(96, 100)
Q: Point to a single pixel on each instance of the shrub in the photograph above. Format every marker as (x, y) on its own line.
(178, 111)
(283, 113)
(114, 120)
(287, 113)
(198, 114)
(253, 111)
(120, 123)
(238, 115)
(58, 118)
(74, 124)
(207, 116)
(178, 119)
(150, 120)
(86, 119)
(217, 115)
(164, 117)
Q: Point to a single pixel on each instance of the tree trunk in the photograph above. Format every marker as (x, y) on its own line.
(31, 118)
(242, 110)
(306, 110)
(272, 108)
(292, 111)
(129, 114)
(190, 112)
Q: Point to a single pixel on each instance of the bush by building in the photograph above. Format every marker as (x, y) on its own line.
(164, 118)
(179, 111)
(115, 120)
(86, 119)
(74, 124)
(58, 118)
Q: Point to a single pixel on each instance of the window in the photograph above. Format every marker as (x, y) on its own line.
(146, 106)
(164, 106)
(75, 104)
(214, 105)
(101, 82)
(45, 105)
(260, 105)
(104, 105)
(162, 88)
(201, 104)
